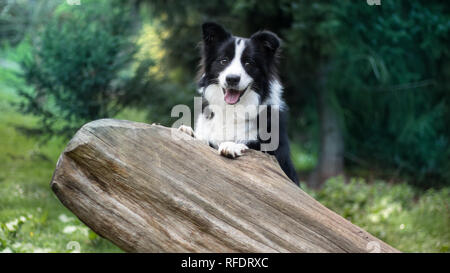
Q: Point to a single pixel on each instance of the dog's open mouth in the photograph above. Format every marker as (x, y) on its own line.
(232, 96)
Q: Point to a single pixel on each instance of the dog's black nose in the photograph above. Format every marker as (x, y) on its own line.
(233, 79)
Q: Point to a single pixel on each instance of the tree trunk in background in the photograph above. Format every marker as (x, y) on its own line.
(331, 150)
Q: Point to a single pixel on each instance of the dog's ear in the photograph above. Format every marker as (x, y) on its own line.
(268, 41)
(214, 33)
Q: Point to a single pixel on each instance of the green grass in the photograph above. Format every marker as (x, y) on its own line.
(31, 217)
(406, 218)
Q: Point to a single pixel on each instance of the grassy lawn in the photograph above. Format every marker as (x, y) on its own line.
(31, 217)
(409, 219)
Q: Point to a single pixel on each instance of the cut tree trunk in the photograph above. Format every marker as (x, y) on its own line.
(146, 190)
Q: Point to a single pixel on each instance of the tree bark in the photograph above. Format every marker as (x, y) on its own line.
(145, 191)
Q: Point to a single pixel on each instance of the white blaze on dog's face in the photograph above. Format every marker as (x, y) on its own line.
(238, 70)
(234, 80)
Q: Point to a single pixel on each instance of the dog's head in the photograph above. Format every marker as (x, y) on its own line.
(239, 65)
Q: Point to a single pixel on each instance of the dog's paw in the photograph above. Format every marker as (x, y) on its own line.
(187, 130)
(231, 149)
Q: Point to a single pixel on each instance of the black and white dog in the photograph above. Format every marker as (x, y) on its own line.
(240, 73)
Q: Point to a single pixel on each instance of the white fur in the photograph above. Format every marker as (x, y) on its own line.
(275, 95)
(201, 89)
(230, 122)
(187, 130)
(232, 149)
(236, 68)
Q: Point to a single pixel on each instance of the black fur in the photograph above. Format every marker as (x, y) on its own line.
(261, 54)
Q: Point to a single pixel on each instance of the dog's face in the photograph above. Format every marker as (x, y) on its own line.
(239, 65)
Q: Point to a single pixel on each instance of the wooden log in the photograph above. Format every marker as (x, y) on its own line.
(145, 191)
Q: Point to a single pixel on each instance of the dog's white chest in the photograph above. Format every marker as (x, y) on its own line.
(228, 123)
(226, 126)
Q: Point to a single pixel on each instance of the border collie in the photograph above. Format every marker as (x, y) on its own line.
(240, 73)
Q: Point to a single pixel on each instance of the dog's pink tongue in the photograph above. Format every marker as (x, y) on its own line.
(231, 96)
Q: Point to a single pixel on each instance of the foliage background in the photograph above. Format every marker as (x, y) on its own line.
(381, 71)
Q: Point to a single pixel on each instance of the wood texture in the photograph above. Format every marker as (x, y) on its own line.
(145, 191)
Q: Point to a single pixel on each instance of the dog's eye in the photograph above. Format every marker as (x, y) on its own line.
(248, 64)
(223, 61)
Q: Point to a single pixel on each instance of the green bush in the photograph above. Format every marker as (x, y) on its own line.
(79, 65)
(402, 216)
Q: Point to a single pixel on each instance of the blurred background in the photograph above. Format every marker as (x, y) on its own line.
(367, 86)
